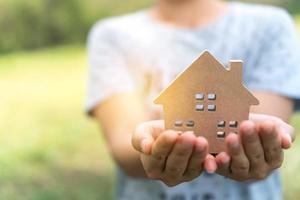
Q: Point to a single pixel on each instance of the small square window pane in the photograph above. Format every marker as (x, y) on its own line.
(190, 123)
(211, 107)
(233, 124)
(221, 124)
(199, 96)
(211, 96)
(220, 134)
(199, 107)
(178, 123)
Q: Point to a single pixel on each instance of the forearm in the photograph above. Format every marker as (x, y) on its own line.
(275, 105)
(127, 158)
(118, 117)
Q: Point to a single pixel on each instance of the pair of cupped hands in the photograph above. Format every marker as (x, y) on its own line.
(174, 157)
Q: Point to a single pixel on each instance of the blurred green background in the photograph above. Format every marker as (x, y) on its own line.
(48, 148)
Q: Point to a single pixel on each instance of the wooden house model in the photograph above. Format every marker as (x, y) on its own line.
(208, 99)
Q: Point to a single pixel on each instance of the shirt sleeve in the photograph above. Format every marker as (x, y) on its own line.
(108, 73)
(277, 67)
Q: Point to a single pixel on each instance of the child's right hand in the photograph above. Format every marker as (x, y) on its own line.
(169, 156)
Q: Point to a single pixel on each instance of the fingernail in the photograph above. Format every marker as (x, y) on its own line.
(269, 127)
(211, 167)
(289, 139)
(179, 132)
(225, 159)
(250, 132)
(200, 147)
(189, 132)
(235, 144)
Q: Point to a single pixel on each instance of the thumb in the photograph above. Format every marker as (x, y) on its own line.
(142, 138)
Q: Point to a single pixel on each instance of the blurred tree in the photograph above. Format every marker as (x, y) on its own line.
(37, 23)
(32, 24)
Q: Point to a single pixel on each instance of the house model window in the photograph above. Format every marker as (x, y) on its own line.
(199, 107)
(211, 96)
(190, 123)
(233, 124)
(208, 99)
(199, 96)
(221, 135)
(221, 124)
(211, 107)
(222, 128)
(178, 123)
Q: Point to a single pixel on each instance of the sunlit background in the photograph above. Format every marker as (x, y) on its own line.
(48, 148)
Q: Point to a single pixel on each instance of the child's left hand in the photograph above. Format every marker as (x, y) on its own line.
(257, 150)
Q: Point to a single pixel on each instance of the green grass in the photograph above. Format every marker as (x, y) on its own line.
(49, 150)
(297, 19)
(291, 167)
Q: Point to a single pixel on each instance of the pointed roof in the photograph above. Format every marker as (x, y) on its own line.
(206, 61)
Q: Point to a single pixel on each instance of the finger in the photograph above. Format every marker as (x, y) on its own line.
(287, 135)
(286, 141)
(271, 144)
(155, 163)
(210, 164)
(179, 157)
(196, 161)
(143, 136)
(164, 144)
(239, 162)
(252, 147)
(223, 163)
(287, 132)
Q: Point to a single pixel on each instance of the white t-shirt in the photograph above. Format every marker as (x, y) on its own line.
(135, 52)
